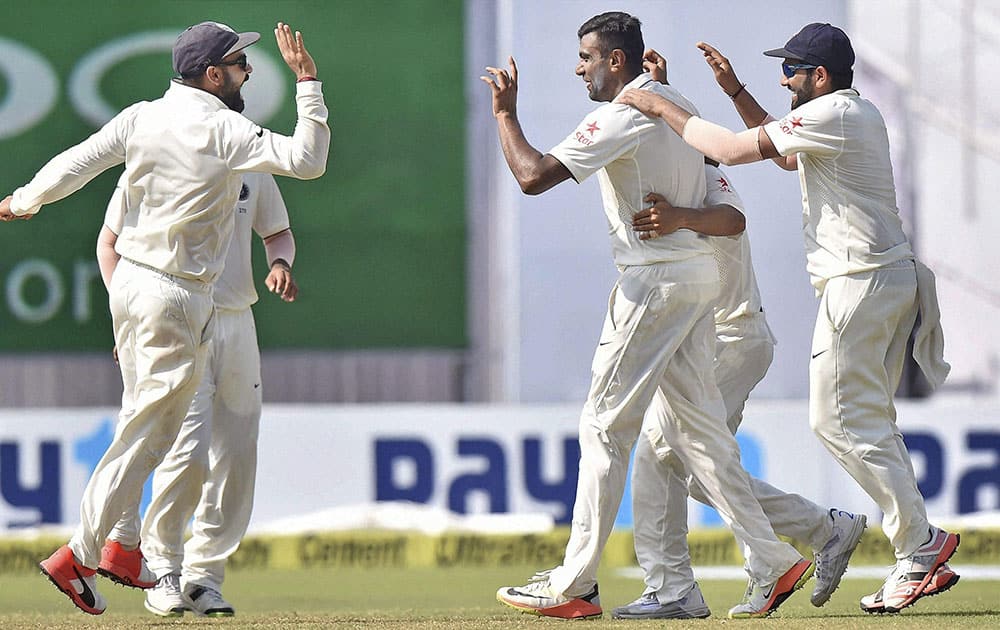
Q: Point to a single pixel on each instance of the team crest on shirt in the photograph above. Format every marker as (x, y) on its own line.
(723, 184)
(244, 192)
(788, 124)
(590, 129)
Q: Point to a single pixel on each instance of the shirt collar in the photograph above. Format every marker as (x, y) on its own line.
(180, 91)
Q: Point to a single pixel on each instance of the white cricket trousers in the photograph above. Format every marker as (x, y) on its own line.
(744, 351)
(163, 328)
(211, 468)
(659, 333)
(858, 350)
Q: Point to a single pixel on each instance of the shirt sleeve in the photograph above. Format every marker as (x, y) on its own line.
(602, 137)
(271, 216)
(114, 215)
(72, 169)
(719, 190)
(815, 128)
(302, 155)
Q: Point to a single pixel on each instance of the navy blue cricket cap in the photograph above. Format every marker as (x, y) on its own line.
(820, 45)
(206, 44)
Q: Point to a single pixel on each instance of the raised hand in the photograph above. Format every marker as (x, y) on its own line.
(725, 76)
(655, 64)
(294, 52)
(503, 84)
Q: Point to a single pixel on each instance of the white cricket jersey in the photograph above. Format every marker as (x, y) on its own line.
(260, 209)
(635, 155)
(739, 295)
(850, 220)
(184, 157)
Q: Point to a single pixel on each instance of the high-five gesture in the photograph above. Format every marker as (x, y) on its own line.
(294, 52)
(725, 76)
(503, 84)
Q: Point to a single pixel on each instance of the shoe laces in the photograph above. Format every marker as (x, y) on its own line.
(748, 595)
(541, 576)
(170, 583)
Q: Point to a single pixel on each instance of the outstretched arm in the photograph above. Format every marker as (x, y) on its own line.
(534, 171)
(663, 218)
(747, 107)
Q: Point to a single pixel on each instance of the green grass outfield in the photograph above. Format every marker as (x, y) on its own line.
(463, 598)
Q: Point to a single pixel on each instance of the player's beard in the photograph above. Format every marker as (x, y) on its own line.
(804, 94)
(231, 94)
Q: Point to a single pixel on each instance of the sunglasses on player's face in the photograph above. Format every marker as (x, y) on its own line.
(240, 61)
(789, 69)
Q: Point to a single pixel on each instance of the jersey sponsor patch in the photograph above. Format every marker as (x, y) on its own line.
(790, 123)
(586, 137)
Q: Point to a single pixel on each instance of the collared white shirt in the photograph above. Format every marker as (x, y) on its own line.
(850, 220)
(633, 156)
(260, 210)
(184, 156)
(739, 295)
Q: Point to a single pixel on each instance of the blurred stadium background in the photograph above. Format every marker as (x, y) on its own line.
(440, 349)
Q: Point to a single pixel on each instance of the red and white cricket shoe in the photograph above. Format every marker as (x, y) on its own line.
(125, 566)
(77, 581)
(923, 573)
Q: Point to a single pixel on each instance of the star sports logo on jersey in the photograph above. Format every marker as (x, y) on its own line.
(591, 128)
(791, 123)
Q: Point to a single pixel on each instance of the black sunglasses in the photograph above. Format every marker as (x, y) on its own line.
(241, 61)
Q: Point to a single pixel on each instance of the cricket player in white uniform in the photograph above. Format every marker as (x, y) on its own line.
(744, 350)
(212, 465)
(861, 264)
(658, 333)
(184, 157)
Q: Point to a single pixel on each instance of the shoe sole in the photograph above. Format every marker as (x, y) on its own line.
(173, 613)
(573, 609)
(857, 531)
(68, 592)
(779, 597)
(123, 580)
(943, 557)
(698, 614)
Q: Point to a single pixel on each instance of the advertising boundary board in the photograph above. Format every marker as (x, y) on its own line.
(471, 459)
(407, 550)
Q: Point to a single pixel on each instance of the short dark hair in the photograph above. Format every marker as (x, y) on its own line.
(842, 80)
(616, 29)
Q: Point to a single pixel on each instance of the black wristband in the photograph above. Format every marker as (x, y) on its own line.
(737, 92)
(282, 262)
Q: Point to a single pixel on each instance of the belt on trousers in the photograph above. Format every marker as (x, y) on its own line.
(186, 283)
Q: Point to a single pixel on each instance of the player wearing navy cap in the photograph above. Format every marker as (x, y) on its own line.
(871, 287)
(184, 157)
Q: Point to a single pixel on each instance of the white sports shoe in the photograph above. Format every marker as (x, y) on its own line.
(922, 573)
(537, 598)
(648, 606)
(207, 602)
(165, 599)
(831, 561)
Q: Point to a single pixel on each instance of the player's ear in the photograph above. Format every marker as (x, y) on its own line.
(213, 74)
(617, 59)
(821, 77)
